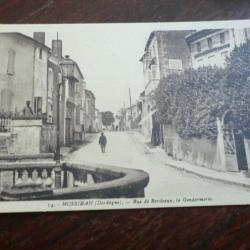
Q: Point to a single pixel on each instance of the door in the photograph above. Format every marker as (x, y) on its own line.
(240, 150)
(68, 136)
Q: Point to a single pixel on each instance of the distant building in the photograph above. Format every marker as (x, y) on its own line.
(132, 122)
(89, 110)
(165, 52)
(211, 47)
(97, 124)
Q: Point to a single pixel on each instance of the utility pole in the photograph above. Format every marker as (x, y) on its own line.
(124, 116)
(131, 113)
(59, 83)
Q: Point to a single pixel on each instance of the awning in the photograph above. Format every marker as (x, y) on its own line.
(147, 117)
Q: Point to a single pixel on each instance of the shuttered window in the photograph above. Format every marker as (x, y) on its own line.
(11, 62)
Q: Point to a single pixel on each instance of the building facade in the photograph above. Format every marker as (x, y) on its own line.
(19, 81)
(66, 72)
(165, 52)
(89, 111)
(212, 47)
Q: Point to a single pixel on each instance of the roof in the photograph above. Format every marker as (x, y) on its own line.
(162, 34)
(90, 93)
(68, 61)
(142, 93)
(151, 36)
(28, 38)
(199, 34)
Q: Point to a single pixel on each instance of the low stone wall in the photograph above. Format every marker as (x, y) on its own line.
(201, 152)
(31, 136)
(108, 181)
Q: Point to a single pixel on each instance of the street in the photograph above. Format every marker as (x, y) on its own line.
(123, 149)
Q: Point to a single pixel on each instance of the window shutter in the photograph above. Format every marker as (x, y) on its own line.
(11, 62)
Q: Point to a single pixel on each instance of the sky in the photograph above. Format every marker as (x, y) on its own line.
(108, 54)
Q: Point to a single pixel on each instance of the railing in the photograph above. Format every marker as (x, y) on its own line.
(5, 123)
(29, 172)
(48, 180)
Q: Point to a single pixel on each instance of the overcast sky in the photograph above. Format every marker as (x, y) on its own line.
(108, 54)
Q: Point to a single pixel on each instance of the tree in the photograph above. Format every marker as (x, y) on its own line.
(107, 118)
(236, 86)
(189, 101)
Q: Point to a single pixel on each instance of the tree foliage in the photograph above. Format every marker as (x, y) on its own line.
(192, 100)
(236, 86)
(107, 118)
(188, 101)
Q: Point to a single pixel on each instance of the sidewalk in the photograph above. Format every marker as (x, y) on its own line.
(238, 179)
(89, 137)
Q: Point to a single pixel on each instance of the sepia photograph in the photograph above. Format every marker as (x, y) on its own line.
(124, 115)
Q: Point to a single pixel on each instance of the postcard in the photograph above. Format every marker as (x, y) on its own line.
(124, 115)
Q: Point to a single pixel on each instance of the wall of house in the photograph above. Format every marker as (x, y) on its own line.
(174, 53)
(219, 51)
(48, 138)
(79, 107)
(26, 137)
(40, 76)
(20, 83)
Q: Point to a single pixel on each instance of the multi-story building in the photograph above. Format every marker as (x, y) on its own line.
(211, 47)
(72, 94)
(165, 52)
(23, 72)
(89, 110)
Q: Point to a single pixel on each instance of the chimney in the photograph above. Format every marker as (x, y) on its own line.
(39, 37)
(57, 48)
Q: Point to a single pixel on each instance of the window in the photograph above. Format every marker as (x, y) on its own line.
(210, 43)
(50, 82)
(222, 38)
(11, 62)
(40, 53)
(78, 115)
(50, 110)
(153, 69)
(71, 88)
(198, 46)
(38, 105)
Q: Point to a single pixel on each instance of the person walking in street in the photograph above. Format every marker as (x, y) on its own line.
(103, 142)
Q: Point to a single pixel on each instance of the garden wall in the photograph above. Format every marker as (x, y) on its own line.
(201, 152)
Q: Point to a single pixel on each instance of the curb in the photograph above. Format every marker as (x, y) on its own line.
(218, 180)
(202, 176)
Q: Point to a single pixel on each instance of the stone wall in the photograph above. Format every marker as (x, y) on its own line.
(198, 151)
(48, 138)
(172, 46)
(31, 136)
